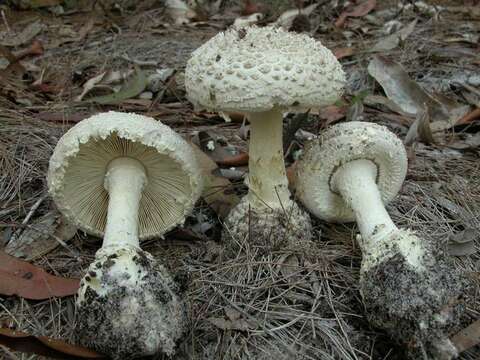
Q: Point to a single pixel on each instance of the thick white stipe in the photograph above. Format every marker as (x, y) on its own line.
(124, 181)
(356, 183)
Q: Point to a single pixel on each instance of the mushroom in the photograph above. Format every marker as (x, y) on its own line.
(263, 72)
(408, 288)
(125, 177)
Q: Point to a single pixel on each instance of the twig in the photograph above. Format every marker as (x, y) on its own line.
(4, 18)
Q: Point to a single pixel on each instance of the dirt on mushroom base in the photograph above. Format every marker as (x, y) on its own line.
(269, 230)
(418, 308)
(151, 310)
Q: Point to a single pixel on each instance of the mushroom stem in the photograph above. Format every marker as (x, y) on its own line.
(124, 181)
(356, 182)
(267, 179)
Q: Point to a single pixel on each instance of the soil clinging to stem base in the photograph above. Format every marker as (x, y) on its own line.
(125, 314)
(418, 308)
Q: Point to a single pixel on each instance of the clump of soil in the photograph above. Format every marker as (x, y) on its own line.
(416, 307)
(266, 230)
(123, 314)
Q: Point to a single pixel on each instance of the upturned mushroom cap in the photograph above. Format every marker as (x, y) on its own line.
(255, 69)
(339, 145)
(78, 165)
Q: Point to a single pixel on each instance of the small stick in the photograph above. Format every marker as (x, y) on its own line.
(33, 209)
(4, 18)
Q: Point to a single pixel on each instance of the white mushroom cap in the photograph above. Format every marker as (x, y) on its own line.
(255, 69)
(339, 145)
(79, 163)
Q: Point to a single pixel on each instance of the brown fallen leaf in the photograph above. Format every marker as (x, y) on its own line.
(35, 49)
(28, 281)
(250, 7)
(420, 130)
(331, 113)
(411, 97)
(468, 337)
(25, 36)
(393, 40)
(215, 191)
(43, 345)
(40, 237)
(473, 115)
(218, 151)
(291, 176)
(360, 10)
(343, 52)
(235, 160)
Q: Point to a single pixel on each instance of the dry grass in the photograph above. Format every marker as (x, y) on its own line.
(304, 300)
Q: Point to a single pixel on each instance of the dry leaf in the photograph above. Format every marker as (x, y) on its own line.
(392, 41)
(236, 160)
(41, 237)
(221, 154)
(467, 337)
(215, 191)
(331, 113)
(399, 88)
(26, 280)
(420, 129)
(343, 52)
(104, 78)
(130, 89)
(42, 345)
(474, 115)
(410, 96)
(358, 11)
(25, 36)
(285, 20)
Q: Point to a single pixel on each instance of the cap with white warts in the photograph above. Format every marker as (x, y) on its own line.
(79, 164)
(256, 69)
(337, 146)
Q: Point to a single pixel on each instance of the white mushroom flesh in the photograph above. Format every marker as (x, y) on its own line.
(125, 179)
(267, 180)
(356, 182)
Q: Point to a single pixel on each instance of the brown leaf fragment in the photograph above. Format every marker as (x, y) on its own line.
(468, 337)
(343, 52)
(420, 130)
(393, 40)
(28, 281)
(235, 160)
(40, 237)
(360, 10)
(402, 90)
(218, 151)
(43, 345)
(215, 191)
(331, 113)
(25, 36)
(473, 115)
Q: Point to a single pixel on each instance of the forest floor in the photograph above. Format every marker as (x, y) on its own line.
(55, 61)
